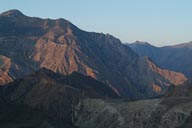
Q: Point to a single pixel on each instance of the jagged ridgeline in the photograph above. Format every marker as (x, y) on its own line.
(28, 44)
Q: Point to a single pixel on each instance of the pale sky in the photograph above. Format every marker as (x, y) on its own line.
(160, 22)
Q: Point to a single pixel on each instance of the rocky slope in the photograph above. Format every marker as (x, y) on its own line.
(44, 80)
(39, 92)
(17, 116)
(184, 89)
(5, 65)
(48, 99)
(154, 113)
(32, 43)
(176, 57)
(39, 101)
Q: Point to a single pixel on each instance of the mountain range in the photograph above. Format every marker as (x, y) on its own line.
(28, 44)
(55, 75)
(175, 58)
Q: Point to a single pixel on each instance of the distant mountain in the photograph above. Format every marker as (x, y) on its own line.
(31, 43)
(183, 45)
(176, 57)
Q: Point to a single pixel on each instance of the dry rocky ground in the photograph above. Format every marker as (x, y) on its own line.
(154, 113)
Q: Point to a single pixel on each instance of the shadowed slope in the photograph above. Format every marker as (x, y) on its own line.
(176, 57)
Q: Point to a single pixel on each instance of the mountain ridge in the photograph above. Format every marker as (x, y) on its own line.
(174, 57)
(58, 45)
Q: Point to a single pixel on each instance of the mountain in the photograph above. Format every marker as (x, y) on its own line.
(176, 57)
(31, 43)
(49, 96)
(37, 93)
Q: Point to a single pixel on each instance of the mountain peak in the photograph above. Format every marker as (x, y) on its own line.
(141, 43)
(12, 13)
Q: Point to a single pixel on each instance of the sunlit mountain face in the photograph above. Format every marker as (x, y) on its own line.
(55, 75)
(28, 44)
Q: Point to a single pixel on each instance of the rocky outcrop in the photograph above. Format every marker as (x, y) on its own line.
(184, 89)
(5, 64)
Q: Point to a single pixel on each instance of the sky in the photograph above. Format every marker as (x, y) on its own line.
(159, 22)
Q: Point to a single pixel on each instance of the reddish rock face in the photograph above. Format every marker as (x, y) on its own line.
(174, 77)
(58, 45)
(183, 90)
(5, 64)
